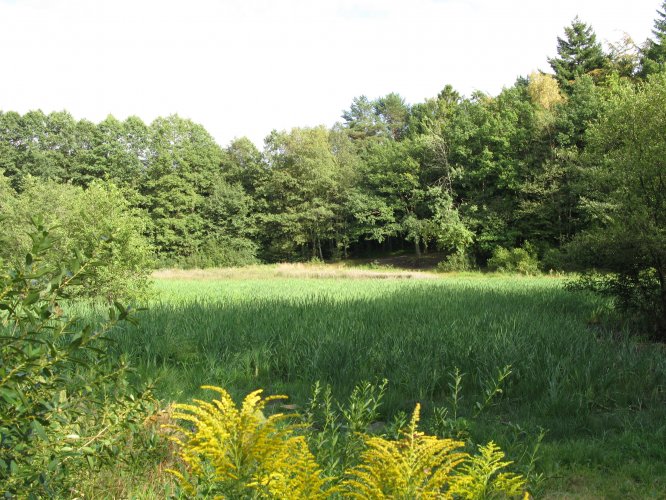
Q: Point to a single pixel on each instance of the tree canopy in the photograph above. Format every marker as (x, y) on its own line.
(461, 175)
(579, 54)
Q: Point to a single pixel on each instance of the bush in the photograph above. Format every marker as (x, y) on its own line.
(456, 262)
(517, 260)
(637, 296)
(241, 453)
(218, 252)
(555, 260)
(619, 267)
(97, 220)
(64, 405)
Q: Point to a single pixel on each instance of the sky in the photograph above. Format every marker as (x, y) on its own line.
(245, 67)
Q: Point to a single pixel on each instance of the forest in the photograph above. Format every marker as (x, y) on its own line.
(561, 172)
(558, 166)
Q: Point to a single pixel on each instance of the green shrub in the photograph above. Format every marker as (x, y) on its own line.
(64, 405)
(517, 260)
(242, 453)
(635, 295)
(554, 260)
(98, 218)
(456, 262)
(221, 251)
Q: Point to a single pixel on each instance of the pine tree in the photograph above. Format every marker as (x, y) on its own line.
(659, 30)
(579, 54)
(654, 51)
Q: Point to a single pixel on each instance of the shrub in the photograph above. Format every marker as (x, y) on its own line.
(64, 405)
(98, 219)
(636, 295)
(219, 251)
(244, 454)
(517, 260)
(422, 466)
(456, 262)
(241, 453)
(554, 260)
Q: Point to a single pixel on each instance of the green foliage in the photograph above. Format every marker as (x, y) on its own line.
(221, 251)
(302, 193)
(97, 220)
(181, 170)
(64, 406)
(242, 453)
(517, 260)
(334, 429)
(579, 54)
(454, 420)
(626, 159)
(457, 262)
(636, 296)
(653, 58)
(555, 260)
(374, 121)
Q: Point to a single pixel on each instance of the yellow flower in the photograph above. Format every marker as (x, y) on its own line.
(417, 466)
(242, 453)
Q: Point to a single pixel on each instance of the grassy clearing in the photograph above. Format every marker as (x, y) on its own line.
(300, 270)
(600, 396)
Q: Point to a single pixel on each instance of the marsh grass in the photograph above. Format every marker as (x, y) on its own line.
(600, 394)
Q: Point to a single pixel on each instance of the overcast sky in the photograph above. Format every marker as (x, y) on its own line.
(244, 67)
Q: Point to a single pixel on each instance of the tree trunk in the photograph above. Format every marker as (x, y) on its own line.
(417, 247)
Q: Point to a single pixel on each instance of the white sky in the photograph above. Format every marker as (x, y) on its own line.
(245, 67)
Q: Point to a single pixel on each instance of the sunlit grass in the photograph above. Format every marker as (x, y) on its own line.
(599, 394)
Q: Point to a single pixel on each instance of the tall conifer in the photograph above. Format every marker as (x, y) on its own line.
(579, 54)
(654, 51)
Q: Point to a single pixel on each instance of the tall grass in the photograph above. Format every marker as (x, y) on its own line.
(589, 387)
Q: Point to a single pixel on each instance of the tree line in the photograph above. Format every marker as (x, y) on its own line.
(532, 167)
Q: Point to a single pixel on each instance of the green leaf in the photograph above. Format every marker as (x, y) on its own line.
(31, 298)
(9, 396)
(39, 430)
(121, 309)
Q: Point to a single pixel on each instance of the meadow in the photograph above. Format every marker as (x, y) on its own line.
(488, 357)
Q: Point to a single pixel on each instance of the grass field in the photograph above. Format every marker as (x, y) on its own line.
(600, 396)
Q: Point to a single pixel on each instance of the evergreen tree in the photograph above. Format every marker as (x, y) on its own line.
(579, 54)
(654, 52)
